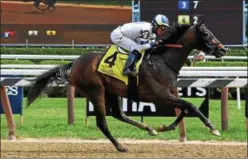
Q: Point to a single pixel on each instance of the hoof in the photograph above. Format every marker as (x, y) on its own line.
(161, 128)
(12, 137)
(122, 149)
(153, 132)
(183, 139)
(215, 132)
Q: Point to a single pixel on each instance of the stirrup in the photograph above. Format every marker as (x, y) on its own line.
(129, 72)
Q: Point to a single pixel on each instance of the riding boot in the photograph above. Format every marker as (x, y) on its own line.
(129, 68)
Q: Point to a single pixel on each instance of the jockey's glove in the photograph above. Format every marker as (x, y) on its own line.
(160, 42)
(154, 44)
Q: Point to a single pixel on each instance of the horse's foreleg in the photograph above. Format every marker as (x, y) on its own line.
(118, 113)
(98, 100)
(160, 94)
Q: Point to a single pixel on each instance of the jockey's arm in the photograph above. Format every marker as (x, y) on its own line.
(148, 42)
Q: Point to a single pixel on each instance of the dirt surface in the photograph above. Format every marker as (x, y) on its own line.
(14, 12)
(76, 148)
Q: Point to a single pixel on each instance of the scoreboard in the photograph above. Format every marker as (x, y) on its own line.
(225, 18)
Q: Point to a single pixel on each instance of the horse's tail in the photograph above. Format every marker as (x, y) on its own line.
(58, 74)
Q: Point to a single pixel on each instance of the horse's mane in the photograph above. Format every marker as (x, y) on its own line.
(177, 31)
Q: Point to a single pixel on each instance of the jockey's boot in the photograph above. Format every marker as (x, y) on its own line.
(129, 68)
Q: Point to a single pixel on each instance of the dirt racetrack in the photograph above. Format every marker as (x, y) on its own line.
(77, 148)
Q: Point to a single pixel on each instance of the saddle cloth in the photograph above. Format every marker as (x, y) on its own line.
(113, 62)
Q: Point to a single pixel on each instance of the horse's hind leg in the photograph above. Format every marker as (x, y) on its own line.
(184, 105)
(182, 126)
(173, 126)
(96, 96)
(118, 113)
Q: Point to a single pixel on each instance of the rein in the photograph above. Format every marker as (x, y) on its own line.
(174, 45)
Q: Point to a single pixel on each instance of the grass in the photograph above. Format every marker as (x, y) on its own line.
(47, 118)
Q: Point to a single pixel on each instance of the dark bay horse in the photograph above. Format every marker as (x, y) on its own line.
(50, 5)
(157, 80)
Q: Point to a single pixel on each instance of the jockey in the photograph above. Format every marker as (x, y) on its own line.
(138, 36)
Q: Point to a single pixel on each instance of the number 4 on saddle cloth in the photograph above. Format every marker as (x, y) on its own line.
(113, 62)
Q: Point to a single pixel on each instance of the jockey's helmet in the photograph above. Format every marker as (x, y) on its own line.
(160, 20)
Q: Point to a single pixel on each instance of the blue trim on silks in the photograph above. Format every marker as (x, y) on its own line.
(144, 41)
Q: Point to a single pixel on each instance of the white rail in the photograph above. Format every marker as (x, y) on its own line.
(23, 66)
(72, 57)
(182, 82)
(199, 73)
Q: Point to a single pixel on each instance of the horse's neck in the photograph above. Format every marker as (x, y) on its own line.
(176, 57)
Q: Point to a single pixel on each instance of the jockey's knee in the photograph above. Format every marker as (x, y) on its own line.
(136, 53)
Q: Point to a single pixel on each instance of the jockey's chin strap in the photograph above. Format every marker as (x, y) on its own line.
(164, 45)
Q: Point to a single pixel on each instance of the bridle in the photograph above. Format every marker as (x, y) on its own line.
(212, 44)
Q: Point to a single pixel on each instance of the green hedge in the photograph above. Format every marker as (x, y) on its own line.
(237, 52)
(32, 62)
(47, 51)
(28, 62)
(80, 51)
(231, 52)
(54, 62)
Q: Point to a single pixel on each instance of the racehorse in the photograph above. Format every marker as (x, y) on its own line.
(158, 78)
(50, 5)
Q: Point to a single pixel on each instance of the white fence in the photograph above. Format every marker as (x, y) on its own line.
(232, 77)
(183, 73)
(35, 70)
(72, 57)
(24, 66)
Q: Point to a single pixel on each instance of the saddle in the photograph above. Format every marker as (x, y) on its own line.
(113, 62)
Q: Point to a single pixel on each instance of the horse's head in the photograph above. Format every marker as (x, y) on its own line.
(208, 42)
(189, 37)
